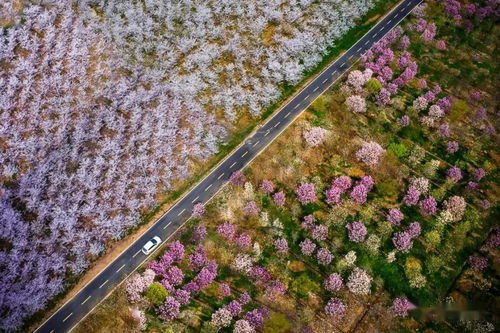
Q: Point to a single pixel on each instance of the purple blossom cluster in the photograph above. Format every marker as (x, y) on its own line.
(370, 153)
(478, 263)
(356, 231)
(227, 230)
(454, 174)
(266, 186)
(315, 136)
(308, 222)
(334, 282)
(395, 216)
(427, 206)
(307, 247)
(256, 317)
(335, 308)
(306, 193)
(400, 307)
(324, 256)
(279, 198)
(411, 197)
(251, 208)
(452, 147)
(198, 210)
(237, 178)
(281, 246)
(339, 186)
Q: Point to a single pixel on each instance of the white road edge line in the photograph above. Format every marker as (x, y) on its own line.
(209, 174)
(87, 298)
(67, 317)
(102, 285)
(119, 269)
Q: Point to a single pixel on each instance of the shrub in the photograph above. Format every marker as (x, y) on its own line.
(373, 86)
(398, 149)
(156, 293)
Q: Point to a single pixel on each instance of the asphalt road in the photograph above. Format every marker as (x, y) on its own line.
(66, 317)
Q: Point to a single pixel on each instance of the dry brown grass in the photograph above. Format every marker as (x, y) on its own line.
(113, 315)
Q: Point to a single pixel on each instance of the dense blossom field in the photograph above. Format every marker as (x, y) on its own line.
(103, 104)
(375, 211)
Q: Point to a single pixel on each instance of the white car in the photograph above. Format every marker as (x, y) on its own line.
(151, 245)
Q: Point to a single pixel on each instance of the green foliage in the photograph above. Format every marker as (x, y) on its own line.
(276, 323)
(156, 293)
(373, 85)
(303, 285)
(459, 110)
(387, 189)
(398, 149)
(433, 238)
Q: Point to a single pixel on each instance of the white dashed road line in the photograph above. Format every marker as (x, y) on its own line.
(165, 227)
(232, 165)
(67, 317)
(181, 212)
(209, 186)
(136, 254)
(88, 298)
(195, 199)
(244, 154)
(102, 285)
(220, 176)
(119, 269)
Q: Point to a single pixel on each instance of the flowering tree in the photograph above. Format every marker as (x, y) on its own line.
(320, 232)
(237, 178)
(334, 282)
(402, 241)
(454, 174)
(266, 186)
(370, 153)
(170, 309)
(356, 104)
(281, 246)
(478, 263)
(306, 193)
(335, 308)
(456, 207)
(359, 194)
(279, 198)
(315, 136)
(137, 284)
(243, 326)
(356, 231)
(428, 206)
(307, 247)
(198, 210)
(221, 318)
(324, 256)
(359, 282)
(401, 306)
(251, 208)
(227, 230)
(395, 216)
